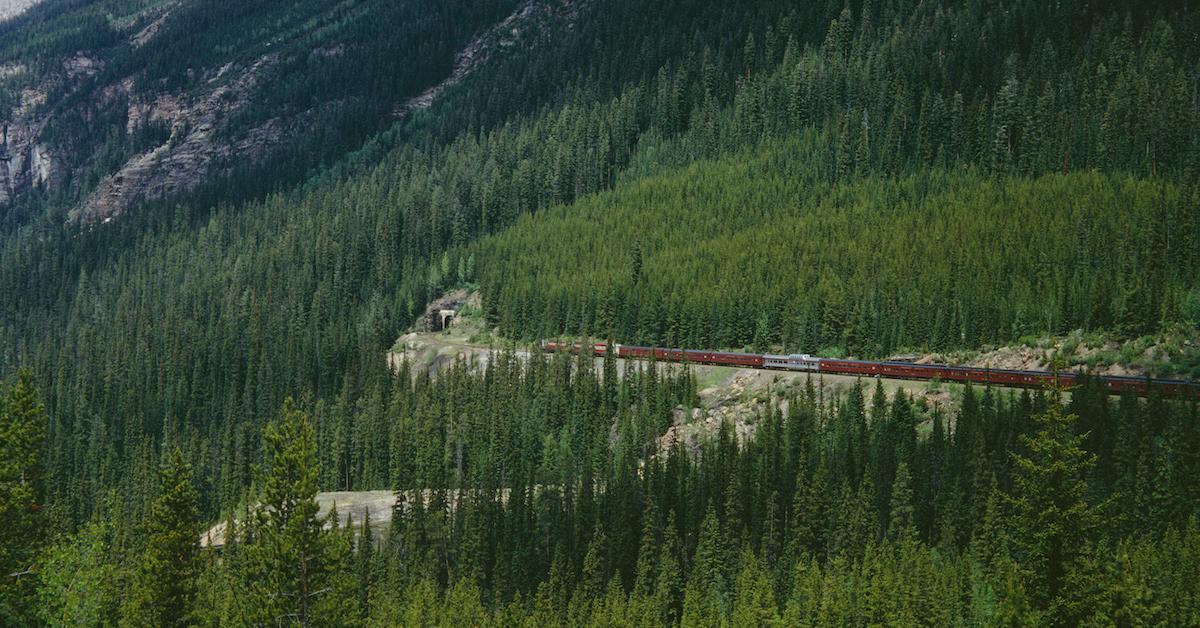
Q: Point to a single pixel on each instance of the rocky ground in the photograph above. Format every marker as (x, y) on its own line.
(9, 8)
(742, 397)
(351, 506)
(1173, 353)
(206, 133)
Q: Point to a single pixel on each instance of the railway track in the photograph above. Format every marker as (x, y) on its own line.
(1174, 388)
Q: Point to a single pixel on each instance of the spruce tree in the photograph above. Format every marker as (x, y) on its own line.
(23, 527)
(754, 601)
(668, 584)
(164, 586)
(647, 556)
(707, 599)
(900, 523)
(365, 568)
(1052, 519)
(287, 566)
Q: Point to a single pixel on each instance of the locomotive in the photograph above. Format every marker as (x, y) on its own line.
(804, 362)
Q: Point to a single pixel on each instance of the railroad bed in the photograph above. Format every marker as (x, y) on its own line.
(797, 362)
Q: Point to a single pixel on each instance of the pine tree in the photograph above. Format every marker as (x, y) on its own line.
(366, 563)
(595, 566)
(462, 605)
(668, 584)
(287, 565)
(164, 586)
(81, 579)
(754, 600)
(901, 521)
(338, 602)
(647, 557)
(708, 597)
(812, 531)
(23, 531)
(1053, 521)
(989, 543)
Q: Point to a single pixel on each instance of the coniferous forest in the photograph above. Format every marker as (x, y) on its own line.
(847, 178)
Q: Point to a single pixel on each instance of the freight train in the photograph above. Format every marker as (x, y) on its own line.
(893, 370)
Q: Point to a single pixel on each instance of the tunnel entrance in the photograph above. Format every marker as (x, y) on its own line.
(441, 319)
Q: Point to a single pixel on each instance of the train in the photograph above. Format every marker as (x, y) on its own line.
(803, 362)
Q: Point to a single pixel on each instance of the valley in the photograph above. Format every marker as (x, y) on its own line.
(264, 260)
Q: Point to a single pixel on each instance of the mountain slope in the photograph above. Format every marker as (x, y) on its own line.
(193, 321)
(750, 250)
(10, 8)
(164, 96)
(291, 183)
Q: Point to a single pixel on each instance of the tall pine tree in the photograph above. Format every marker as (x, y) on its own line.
(287, 563)
(164, 587)
(22, 518)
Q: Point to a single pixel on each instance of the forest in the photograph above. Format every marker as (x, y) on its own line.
(535, 492)
(845, 178)
(325, 73)
(747, 252)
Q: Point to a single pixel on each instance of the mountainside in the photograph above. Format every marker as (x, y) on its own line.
(790, 140)
(826, 268)
(105, 105)
(9, 8)
(216, 218)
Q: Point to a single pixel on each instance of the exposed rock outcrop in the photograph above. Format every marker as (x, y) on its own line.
(433, 318)
(184, 132)
(526, 28)
(193, 149)
(25, 162)
(9, 8)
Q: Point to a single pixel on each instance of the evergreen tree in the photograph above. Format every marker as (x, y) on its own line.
(164, 586)
(23, 531)
(81, 579)
(648, 554)
(1053, 521)
(707, 599)
(754, 602)
(366, 568)
(287, 563)
(668, 585)
(901, 520)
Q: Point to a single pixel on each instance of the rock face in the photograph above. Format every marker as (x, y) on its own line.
(25, 163)
(524, 29)
(59, 135)
(435, 316)
(196, 147)
(193, 149)
(9, 8)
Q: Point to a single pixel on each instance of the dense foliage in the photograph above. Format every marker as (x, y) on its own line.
(849, 179)
(812, 241)
(323, 75)
(757, 250)
(537, 492)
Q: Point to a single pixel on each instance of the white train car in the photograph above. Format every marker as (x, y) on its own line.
(792, 362)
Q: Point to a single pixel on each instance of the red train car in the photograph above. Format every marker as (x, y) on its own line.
(725, 358)
(908, 370)
(720, 358)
